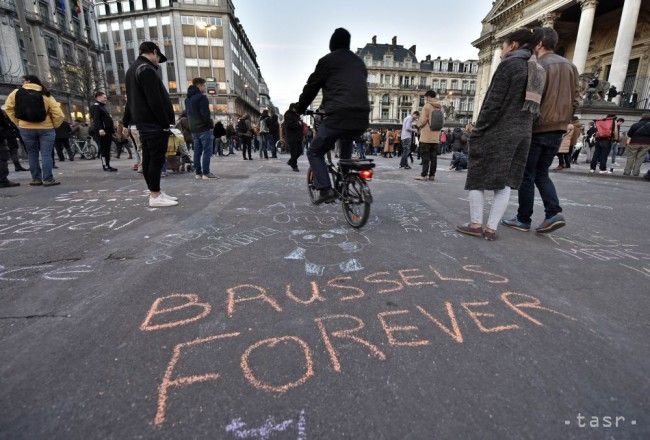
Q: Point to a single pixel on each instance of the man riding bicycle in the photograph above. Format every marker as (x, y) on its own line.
(342, 76)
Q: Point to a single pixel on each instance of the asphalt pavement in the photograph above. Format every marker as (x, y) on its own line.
(247, 313)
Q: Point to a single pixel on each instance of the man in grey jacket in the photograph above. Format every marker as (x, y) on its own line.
(559, 101)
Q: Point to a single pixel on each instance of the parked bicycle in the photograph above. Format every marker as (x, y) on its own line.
(87, 148)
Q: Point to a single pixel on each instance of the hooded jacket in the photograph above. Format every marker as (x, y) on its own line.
(342, 76)
(198, 110)
(427, 135)
(148, 105)
(639, 133)
(53, 109)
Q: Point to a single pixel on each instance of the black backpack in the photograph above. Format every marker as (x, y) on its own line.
(30, 105)
(436, 120)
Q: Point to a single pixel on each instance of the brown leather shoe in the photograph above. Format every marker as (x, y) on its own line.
(467, 230)
(489, 235)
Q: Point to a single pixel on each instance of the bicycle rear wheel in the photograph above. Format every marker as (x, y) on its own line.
(313, 192)
(356, 201)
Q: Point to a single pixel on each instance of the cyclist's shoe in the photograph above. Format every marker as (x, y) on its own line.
(326, 195)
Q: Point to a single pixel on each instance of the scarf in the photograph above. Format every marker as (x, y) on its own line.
(534, 86)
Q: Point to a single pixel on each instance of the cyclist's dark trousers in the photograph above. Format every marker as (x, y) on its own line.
(154, 147)
(59, 145)
(295, 149)
(246, 146)
(104, 143)
(324, 142)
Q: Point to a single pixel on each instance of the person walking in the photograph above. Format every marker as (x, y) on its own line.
(590, 141)
(183, 125)
(559, 102)
(6, 134)
(265, 135)
(429, 138)
(245, 133)
(638, 145)
(407, 138)
(62, 141)
(9, 132)
(291, 135)
(36, 114)
(564, 152)
(102, 129)
(500, 141)
(220, 139)
(201, 125)
(122, 139)
(618, 140)
(376, 142)
(605, 133)
(231, 137)
(149, 108)
(273, 125)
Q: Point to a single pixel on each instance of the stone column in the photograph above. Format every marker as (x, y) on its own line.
(584, 33)
(111, 49)
(125, 58)
(624, 41)
(161, 44)
(376, 110)
(496, 60)
(179, 53)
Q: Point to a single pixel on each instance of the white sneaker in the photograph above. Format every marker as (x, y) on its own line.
(198, 176)
(209, 176)
(161, 202)
(592, 171)
(167, 196)
(602, 172)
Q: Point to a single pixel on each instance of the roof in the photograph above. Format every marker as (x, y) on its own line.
(379, 50)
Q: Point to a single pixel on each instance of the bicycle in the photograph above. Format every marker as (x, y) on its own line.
(87, 149)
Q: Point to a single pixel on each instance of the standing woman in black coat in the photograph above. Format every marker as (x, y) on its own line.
(500, 141)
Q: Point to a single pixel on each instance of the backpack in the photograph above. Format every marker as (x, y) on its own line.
(604, 128)
(30, 105)
(436, 120)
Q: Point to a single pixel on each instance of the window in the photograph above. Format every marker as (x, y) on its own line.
(137, 5)
(126, 6)
(126, 26)
(50, 45)
(115, 26)
(103, 27)
(165, 20)
(152, 22)
(443, 85)
(67, 52)
(454, 84)
(384, 113)
(113, 8)
(151, 4)
(435, 84)
(164, 3)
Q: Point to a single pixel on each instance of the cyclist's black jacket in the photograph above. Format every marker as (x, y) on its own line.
(148, 104)
(343, 78)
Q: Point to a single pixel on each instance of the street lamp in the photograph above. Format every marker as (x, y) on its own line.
(208, 28)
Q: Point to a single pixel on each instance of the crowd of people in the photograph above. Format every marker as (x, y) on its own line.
(526, 120)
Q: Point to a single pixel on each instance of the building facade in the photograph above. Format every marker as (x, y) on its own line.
(201, 38)
(607, 39)
(56, 40)
(397, 82)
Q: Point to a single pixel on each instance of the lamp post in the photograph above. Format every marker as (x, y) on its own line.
(208, 29)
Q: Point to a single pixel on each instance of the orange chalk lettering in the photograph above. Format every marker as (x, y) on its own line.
(168, 382)
(476, 269)
(370, 279)
(155, 309)
(444, 278)
(335, 283)
(232, 300)
(475, 315)
(535, 304)
(345, 334)
(390, 329)
(407, 279)
(272, 342)
(315, 294)
(454, 332)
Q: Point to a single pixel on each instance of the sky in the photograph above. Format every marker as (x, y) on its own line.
(289, 36)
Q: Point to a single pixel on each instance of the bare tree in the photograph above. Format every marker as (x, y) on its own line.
(82, 79)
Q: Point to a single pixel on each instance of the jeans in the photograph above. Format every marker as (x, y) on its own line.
(361, 149)
(154, 148)
(543, 148)
(264, 145)
(202, 151)
(429, 154)
(39, 141)
(601, 154)
(614, 152)
(406, 145)
(246, 146)
(324, 142)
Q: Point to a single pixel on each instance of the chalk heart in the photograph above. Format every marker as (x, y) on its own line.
(156, 309)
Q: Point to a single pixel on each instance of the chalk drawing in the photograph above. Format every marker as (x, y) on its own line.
(238, 428)
(597, 248)
(318, 248)
(25, 273)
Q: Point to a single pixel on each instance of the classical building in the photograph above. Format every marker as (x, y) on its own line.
(57, 41)
(201, 38)
(607, 39)
(397, 82)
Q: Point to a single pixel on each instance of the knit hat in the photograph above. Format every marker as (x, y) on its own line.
(340, 40)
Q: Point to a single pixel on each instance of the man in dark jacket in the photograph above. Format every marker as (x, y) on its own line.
(62, 141)
(149, 108)
(342, 76)
(274, 131)
(102, 129)
(7, 136)
(291, 134)
(559, 102)
(198, 116)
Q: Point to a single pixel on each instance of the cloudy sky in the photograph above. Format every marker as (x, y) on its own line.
(289, 36)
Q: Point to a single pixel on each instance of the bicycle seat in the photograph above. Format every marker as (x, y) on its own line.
(357, 164)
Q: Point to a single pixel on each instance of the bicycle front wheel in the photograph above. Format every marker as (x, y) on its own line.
(310, 186)
(356, 201)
